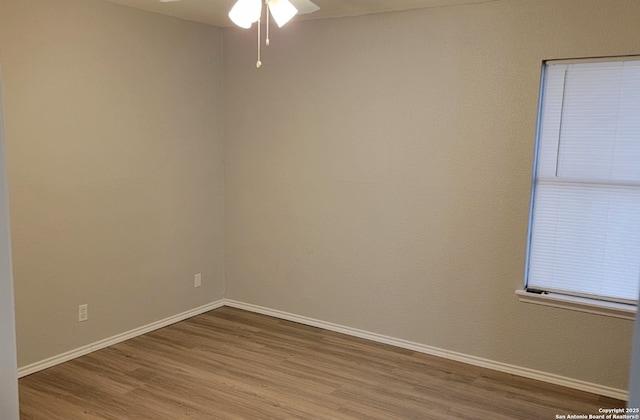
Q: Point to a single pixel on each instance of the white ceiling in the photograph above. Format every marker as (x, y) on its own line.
(214, 12)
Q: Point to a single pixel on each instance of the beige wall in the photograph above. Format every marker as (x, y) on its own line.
(114, 152)
(377, 175)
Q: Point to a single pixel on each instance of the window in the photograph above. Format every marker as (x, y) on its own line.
(584, 233)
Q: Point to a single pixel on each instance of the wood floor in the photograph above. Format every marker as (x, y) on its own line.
(234, 364)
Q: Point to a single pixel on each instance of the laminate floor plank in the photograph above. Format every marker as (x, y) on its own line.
(234, 364)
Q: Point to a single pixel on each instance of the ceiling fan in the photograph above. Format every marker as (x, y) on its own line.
(245, 12)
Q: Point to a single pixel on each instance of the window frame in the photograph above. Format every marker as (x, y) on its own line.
(577, 302)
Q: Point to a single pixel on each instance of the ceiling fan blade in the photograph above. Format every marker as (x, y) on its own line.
(305, 6)
(168, 1)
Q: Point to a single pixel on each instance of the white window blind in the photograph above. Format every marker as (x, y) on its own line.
(585, 221)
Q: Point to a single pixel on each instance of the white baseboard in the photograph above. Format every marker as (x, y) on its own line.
(81, 351)
(434, 351)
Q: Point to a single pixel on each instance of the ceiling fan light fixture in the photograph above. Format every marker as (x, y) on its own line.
(245, 12)
(282, 11)
(305, 6)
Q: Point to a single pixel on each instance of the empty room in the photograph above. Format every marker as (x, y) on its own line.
(413, 209)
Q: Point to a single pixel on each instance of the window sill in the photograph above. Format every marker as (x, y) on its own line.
(592, 306)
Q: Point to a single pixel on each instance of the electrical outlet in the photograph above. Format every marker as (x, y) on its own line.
(197, 280)
(83, 313)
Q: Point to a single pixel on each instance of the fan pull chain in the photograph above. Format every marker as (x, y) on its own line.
(258, 63)
(266, 41)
